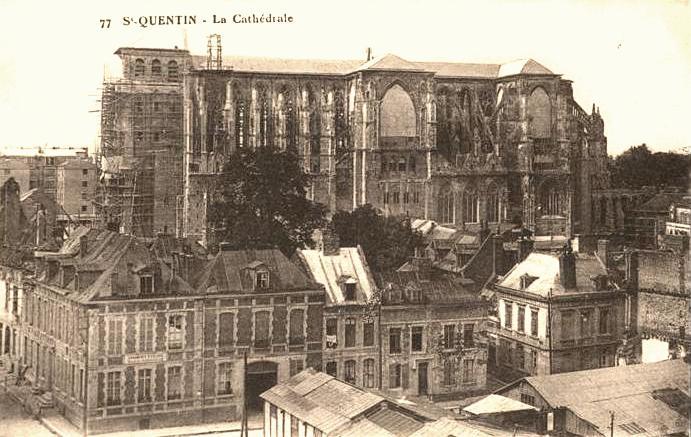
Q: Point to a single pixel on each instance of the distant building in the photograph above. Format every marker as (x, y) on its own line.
(558, 313)
(640, 399)
(647, 222)
(314, 404)
(77, 182)
(679, 221)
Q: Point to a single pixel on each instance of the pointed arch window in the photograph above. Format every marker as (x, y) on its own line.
(290, 124)
(446, 207)
(550, 200)
(340, 123)
(539, 114)
(466, 127)
(470, 207)
(264, 122)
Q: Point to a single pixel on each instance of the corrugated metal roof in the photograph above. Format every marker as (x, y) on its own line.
(331, 270)
(625, 390)
(496, 404)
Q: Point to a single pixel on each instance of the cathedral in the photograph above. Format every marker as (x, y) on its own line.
(461, 144)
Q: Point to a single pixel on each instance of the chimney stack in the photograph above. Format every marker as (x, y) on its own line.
(567, 268)
(369, 54)
(525, 246)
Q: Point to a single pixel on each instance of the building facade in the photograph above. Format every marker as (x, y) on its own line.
(125, 336)
(72, 177)
(558, 314)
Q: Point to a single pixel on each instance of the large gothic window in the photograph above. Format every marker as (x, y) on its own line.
(264, 121)
(397, 113)
(493, 213)
(470, 207)
(466, 128)
(550, 200)
(449, 125)
(539, 114)
(340, 123)
(314, 123)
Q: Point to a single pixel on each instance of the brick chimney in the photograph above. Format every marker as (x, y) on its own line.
(525, 246)
(567, 268)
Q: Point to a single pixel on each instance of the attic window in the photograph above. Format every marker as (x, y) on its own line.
(350, 290)
(526, 280)
(146, 284)
(261, 280)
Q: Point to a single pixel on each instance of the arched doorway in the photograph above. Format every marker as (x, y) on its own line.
(261, 376)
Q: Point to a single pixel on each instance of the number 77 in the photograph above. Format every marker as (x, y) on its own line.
(105, 24)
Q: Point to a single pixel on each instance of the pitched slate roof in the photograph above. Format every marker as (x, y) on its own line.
(330, 270)
(386, 62)
(545, 267)
(649, 395)
(227, 272)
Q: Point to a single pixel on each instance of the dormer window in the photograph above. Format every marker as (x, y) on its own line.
(350, 291)
(261, 280)
(146, 284)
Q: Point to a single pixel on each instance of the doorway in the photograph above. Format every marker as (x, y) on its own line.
(422, 379)
(261, 376)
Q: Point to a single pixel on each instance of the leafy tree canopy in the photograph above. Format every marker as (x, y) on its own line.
(638, 167)
(388, 242)
(261, 202)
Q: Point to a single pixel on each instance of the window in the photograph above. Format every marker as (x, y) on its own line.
(84, 208)
(175, 331)
(604, 361)
(567, 325)
(368, 334)
(468, 370)
(470, 207)
(297, 328)
(146, 284)
(349, 371)
(416, 339)
(520, 356)
(521, 319)
(350, 290)
(533, 361)
(85, 184)
(350, 332)
(604, 321)
(586, 322)
(226, 329)
(394, 375)
(331, 333)
(85, 195)
(508, 314)
(225, 372)
(262, 329)
(468, 335)
(493, 209)
(528, 399)
(114, 337)
(448, 373)
(144, 385)
(394, 340)
(139, 68)
(262, 280)
(368, 373)
(156, 67)
(174, 382)
(113, 388)
(172, 70)
(449, 333)
(138, 137)
(533, 322)
(297, 365)
(332, 368)
(146, 334)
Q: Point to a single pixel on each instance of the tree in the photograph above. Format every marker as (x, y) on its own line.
(261, 202)
(388, 242)
(638, 167)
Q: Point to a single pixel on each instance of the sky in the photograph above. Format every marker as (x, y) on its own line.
(632, 58)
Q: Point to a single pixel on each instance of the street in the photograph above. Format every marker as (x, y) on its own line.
(15, 422)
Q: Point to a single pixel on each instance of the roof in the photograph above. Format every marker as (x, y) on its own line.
(332, 270)
(544, 268)
(321, 400)
(661, 202)
(494, 403)
(386, 62)
(438, 288)
(431, 230)
(654, 396)
(227, 272)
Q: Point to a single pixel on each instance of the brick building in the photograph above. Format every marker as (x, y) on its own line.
(558, 313)
(131, 335)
